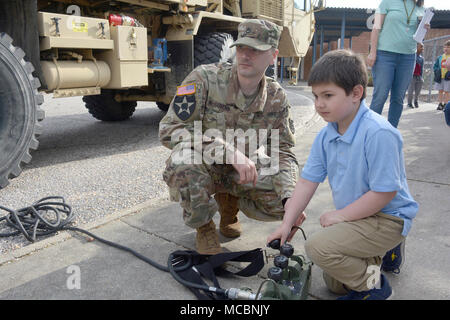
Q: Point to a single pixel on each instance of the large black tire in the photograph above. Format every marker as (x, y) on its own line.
(213, 47)
(104, 107)
(163, 106)
(19, 110)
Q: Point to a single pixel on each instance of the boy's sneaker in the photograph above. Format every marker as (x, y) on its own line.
(440, 106)
(394, 258)
(416, 104)
(410, 105)
(384, 293)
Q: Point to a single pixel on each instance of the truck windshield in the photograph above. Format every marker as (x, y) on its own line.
(304, 5)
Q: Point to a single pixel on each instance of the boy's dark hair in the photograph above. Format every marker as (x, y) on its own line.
(344, 68)
(447, 43)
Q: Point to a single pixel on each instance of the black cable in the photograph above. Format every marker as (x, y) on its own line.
(186, 263)
(297, 227)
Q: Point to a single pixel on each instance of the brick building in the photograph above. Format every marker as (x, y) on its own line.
(333, 23)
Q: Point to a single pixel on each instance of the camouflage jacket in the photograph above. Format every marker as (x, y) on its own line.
(210, 103)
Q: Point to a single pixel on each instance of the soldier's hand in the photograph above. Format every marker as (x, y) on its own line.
(246, 168)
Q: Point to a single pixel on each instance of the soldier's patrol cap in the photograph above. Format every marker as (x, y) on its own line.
(258, 34)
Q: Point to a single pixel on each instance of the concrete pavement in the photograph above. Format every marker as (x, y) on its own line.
(70, 266)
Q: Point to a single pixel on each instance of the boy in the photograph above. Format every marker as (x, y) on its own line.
(416, 82)
(444, 85)
(361, 153)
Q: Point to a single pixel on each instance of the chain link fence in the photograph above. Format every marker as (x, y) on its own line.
(432, 49)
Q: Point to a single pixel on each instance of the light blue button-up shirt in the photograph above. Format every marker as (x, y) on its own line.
(367, 157)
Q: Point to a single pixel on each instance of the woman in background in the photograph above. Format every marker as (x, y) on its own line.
(393, 53)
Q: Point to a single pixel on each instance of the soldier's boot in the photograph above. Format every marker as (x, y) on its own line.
(207, 239)
(229, 226)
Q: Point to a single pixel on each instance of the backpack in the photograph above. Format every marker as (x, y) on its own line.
(437, 70)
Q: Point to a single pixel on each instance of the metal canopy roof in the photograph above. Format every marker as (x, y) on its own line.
(356, 20)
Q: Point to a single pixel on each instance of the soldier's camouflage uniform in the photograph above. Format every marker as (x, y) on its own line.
(210, 98)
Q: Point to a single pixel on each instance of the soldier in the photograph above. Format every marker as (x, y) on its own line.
(224, 126)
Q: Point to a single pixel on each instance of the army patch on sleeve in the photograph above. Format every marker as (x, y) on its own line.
(184, 106)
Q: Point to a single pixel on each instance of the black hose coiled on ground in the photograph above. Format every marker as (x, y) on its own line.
(34, 221)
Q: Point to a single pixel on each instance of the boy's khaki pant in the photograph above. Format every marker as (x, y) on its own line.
(350, 253)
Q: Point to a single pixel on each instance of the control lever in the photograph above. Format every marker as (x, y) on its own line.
(281, 262)
(287, 250)
(275, 273)
(274, 244)
(290, 276)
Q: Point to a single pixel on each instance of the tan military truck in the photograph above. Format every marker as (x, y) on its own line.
(115, 53)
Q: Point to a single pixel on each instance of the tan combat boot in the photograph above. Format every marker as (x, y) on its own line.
(207, 240)
(229, 226)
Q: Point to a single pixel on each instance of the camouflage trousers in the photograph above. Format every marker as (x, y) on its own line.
(193, 185)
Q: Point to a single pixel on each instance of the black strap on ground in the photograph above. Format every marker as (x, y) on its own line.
(210, 266)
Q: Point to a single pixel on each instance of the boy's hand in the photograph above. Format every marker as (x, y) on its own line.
(284, 232)
(331, 217)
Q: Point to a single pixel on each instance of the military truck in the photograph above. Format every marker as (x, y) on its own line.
(114, 53)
